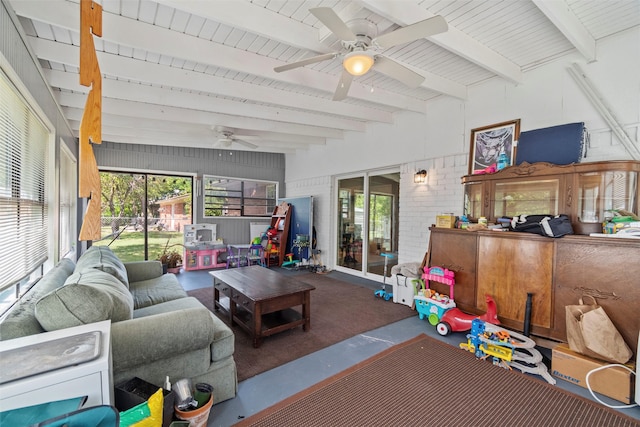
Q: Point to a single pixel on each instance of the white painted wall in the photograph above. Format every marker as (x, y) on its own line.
(438, 140)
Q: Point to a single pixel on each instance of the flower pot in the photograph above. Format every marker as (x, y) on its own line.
(197, 417)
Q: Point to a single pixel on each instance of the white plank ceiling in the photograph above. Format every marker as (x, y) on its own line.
(174, 71)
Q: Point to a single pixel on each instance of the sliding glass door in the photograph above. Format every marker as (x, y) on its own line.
(383, 222)
(144, 213)
(367, 223)
(350, 222)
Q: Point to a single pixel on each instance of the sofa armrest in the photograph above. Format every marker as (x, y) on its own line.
(147, 339)
(137, 271)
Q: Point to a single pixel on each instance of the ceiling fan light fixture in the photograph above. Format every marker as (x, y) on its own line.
(358, 63)
(225, 142)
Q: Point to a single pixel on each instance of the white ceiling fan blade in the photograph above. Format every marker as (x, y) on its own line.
(245, 143)
(247, 137)
(304, 62)
(412, 32)
(343, 86)
(398, 71)
(332, 21)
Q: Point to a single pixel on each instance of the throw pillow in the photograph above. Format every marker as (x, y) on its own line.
(86, 297)
(103, 258)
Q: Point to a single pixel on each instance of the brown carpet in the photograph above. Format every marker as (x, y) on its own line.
(424, 382)
(339, 310)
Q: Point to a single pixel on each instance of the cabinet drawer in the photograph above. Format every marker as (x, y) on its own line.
(242, 301)
(223, 288)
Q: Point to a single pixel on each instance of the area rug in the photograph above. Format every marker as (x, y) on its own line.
(425, 382)
(339, 310)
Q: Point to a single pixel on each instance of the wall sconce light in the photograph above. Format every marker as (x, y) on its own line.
(420, 176)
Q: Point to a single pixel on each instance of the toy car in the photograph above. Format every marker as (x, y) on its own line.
(455, 320)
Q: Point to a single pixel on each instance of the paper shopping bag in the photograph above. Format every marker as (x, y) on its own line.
(591, 332)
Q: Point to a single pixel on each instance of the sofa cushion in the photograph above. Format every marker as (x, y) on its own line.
(156, 291)
(103, 258)
(145, 339)
(20, 321)
(143, 270)
(222, 344)
(86, 297)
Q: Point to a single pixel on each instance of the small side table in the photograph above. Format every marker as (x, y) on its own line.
(58, 365)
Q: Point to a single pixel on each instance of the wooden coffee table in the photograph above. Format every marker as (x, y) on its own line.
(261, 301)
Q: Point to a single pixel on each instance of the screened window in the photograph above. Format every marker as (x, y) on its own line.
(23, 204)
(225, 197)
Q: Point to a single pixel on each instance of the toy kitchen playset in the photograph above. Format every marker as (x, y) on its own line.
(202, 248)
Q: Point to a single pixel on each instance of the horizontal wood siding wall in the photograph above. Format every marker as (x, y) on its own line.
(176, 160)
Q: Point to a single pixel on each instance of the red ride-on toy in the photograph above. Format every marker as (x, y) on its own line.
(455, 320)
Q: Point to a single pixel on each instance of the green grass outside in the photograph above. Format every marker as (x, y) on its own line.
(130, 245)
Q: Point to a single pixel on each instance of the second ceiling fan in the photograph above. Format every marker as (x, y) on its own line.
(226, 137)
(360, 45)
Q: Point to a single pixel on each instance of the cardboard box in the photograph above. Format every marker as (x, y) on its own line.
(445, 221)
(614, 382)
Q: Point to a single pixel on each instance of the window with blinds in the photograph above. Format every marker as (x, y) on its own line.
(23, 202)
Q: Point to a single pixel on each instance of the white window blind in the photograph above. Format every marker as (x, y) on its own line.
(23, 207)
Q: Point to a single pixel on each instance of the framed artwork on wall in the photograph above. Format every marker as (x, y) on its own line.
(489, 141)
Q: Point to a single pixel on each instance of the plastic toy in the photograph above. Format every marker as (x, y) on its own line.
(508, 349)
(428, 302)
(383, 293)
(291, 263)
(455, 320)
(441, 309)
(439, 274)
(432, 305)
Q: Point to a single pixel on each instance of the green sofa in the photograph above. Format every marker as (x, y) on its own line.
(157, 330)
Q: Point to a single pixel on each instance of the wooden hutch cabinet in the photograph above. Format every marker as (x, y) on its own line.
(587, 192)
(557, 272)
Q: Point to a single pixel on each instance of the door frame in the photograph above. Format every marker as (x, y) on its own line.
(335, 202)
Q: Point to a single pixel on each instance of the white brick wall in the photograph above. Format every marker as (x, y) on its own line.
(320, 188)
(420, 203)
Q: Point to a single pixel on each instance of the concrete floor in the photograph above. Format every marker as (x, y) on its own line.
(268, 388)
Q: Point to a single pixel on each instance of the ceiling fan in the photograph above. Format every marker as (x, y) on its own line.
(360, 48)
(226, 137)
